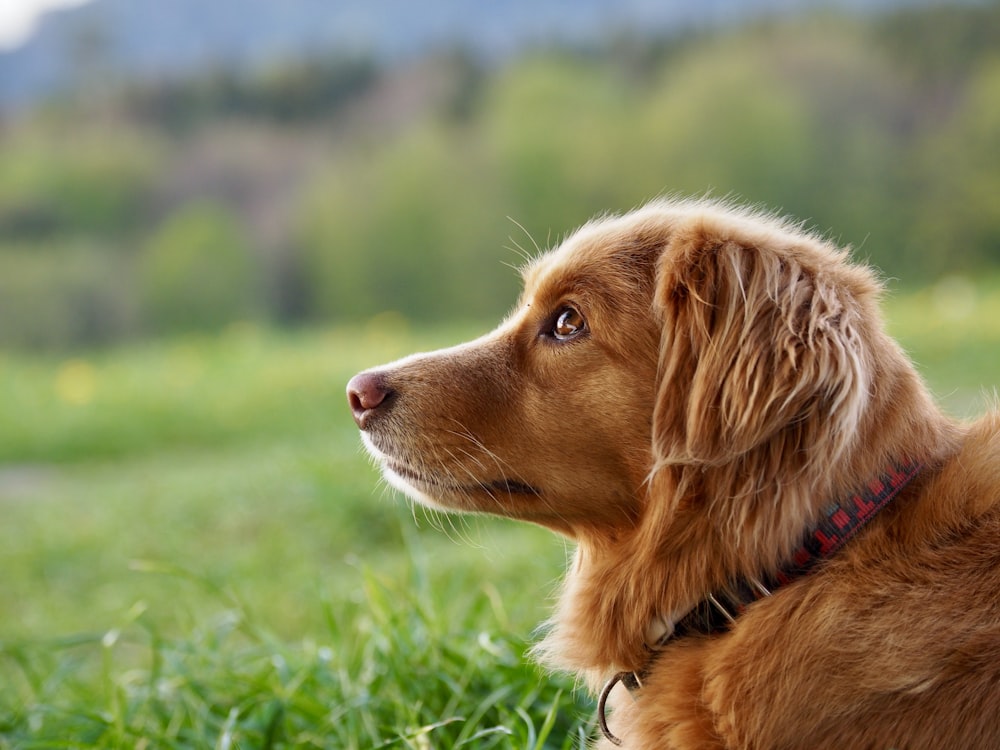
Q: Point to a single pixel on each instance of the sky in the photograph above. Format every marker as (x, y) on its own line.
(18, 17)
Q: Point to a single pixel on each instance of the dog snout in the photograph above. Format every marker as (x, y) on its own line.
(368, 395)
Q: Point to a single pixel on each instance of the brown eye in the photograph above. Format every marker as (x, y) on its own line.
(569, 323)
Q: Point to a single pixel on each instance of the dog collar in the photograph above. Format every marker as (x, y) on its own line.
(840, 522)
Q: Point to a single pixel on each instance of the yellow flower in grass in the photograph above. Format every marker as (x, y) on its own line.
(76, 382)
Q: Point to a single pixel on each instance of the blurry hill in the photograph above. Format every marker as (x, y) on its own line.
(129, 40)
(341, 185)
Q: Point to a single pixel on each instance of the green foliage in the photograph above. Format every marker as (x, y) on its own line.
(941, 43)
(398, 232)
(329, 190)
(286, 92)
(54, 294)
(721, 120)
(961, 213)
(70, 202)
(557, 131)
(72, 182)
(197, 272)
(814, 118)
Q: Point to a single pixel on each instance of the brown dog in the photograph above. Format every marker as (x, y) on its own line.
(781, 541)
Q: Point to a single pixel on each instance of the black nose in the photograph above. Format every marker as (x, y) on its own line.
(367, 394)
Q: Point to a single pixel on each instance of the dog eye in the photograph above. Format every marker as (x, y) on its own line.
(569, 323)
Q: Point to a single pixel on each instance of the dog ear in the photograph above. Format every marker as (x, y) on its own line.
(758, 337)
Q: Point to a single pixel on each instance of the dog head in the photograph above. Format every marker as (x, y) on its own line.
(681, 334)
(548, 417)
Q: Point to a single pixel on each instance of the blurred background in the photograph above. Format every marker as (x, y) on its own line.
(175, 167)
(213, 213)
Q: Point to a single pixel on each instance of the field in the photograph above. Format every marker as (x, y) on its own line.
(196, 553)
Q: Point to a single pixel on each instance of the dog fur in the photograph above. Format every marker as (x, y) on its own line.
(723, 376)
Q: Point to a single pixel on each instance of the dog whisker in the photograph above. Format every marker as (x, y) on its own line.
(526, 255)
(506, 470)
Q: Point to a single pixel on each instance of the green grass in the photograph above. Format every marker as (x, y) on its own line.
(411, 661)
(952, 332)
(196, 553)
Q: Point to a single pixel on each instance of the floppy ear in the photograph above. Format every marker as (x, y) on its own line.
(759, 338)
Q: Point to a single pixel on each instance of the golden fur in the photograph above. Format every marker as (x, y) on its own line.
(733, 377)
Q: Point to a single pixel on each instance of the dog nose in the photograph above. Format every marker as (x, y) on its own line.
(366, 392)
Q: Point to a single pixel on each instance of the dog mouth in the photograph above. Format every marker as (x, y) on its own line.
(425, 481)
(429, 485)
(512, 487)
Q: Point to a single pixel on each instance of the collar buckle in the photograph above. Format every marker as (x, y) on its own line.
(632, 681)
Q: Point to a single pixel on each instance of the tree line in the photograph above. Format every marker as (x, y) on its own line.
(334, 190)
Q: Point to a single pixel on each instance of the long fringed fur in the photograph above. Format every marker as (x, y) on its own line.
(775, 376)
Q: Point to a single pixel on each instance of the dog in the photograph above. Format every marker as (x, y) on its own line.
(780, 540)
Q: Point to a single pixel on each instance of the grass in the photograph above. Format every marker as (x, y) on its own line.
(195, 552)
(400, 665)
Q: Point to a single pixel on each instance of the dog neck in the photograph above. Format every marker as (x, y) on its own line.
(611, 614)
(840, 522)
